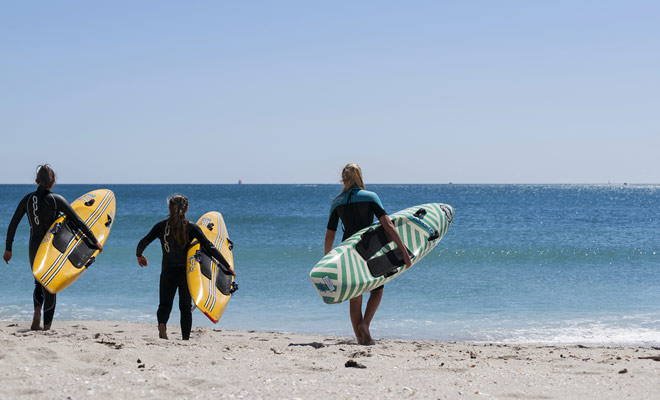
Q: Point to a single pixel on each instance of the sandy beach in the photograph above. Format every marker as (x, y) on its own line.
(122, 360)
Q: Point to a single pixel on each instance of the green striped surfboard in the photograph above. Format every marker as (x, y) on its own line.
(362, 262)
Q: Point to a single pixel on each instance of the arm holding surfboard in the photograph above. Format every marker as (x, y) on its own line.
(197, 233)
(64, 207)
(387, 224)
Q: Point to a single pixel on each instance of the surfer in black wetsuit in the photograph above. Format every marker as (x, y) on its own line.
(175, 234)
(43, 208)
(356, 208)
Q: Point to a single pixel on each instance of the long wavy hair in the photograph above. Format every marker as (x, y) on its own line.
(351, 176)
(45, 176)
(178, 205)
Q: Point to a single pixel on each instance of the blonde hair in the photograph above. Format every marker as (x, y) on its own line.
(351, 175)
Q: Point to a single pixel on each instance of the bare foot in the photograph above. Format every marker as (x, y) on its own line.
(162, 331)
(36, 319)
(358, 339)
(46, 327)
(366, 335)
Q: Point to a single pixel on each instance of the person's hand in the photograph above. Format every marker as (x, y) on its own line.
(407, 260)
(142, 260)
(7, 256)
(99, 246)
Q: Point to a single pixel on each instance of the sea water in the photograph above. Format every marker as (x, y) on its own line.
(520, 263)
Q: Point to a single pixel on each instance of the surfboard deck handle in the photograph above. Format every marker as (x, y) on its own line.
(420, 213)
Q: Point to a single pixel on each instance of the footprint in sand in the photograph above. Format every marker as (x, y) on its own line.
(43, 353)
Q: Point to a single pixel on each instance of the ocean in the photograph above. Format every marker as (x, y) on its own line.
(520, 263)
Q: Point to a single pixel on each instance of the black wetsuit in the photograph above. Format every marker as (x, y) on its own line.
(357, 209)
(173, 273)
(43, 208)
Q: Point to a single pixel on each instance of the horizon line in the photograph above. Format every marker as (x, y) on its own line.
(339, 184)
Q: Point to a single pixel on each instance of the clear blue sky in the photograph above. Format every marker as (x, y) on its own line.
(290, 91)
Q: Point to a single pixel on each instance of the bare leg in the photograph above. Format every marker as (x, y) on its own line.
(36, 319)
(356, 316)
(162, 331)
(372, 305)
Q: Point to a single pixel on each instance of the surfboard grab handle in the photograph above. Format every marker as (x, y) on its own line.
(420, 213)
(418, 216)
(90, 262)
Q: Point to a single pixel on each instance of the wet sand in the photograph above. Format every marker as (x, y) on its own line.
(123, 360)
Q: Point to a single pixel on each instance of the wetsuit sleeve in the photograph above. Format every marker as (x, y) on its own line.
(196, 232)
(377, 206)
(144, 242)
(333, 221)
(15, 220)
(63, 206)
(378, 210)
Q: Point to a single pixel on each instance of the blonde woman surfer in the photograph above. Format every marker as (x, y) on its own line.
(356, 207)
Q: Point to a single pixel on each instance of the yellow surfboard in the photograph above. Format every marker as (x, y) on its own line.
(65, 253)
(210, 288)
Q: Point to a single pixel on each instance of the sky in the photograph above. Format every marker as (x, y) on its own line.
(290, 91)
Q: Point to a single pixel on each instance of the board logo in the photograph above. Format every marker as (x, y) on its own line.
(448, 214)
(328, 282)
(47, 237)
(327, 286)
(422, 223)
(205, 222)
(87, 197)
(193, 262)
